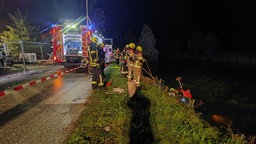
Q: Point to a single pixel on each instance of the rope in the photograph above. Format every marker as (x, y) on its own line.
(150, 74)
(148, 67)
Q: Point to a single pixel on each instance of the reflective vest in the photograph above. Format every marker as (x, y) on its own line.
(93, 55)
(138, 61)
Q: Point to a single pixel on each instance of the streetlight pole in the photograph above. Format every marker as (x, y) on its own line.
(87, 17)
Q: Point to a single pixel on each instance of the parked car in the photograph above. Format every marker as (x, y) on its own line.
(5, 60)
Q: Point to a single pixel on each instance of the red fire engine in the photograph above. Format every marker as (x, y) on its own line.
(70, 44)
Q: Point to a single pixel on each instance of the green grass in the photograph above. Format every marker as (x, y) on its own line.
(151, 116)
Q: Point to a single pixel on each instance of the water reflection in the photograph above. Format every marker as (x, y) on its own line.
(227, 89)
(217, 118)
(57, 84)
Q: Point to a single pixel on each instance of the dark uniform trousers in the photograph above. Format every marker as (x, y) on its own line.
(97, 77)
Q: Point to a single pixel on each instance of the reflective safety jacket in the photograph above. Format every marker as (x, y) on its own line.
(116, 54)
(138, 60)
(101, 54)
(93, 54)
(130, 57)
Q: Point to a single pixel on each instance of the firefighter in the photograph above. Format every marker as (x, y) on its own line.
(138, 63)
(102, 57)
(94, 63)
(123, 61)
(116, 55)
(130, 60)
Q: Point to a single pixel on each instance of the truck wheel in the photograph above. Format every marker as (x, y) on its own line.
(1, 65)
(9, 63)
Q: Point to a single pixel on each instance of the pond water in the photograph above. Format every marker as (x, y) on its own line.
(226, 89)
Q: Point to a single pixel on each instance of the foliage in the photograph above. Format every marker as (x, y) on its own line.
(115, 118)
(21, 29)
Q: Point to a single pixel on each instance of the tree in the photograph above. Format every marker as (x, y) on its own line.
(20, 29)
(150, 53)
(148, 42)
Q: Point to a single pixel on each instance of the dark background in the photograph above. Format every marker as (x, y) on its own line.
(172, 22)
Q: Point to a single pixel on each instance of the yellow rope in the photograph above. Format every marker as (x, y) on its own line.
(150, 73)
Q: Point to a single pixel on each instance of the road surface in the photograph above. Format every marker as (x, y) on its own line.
(45, 113)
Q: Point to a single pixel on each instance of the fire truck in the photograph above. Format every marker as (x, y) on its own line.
(69, 43)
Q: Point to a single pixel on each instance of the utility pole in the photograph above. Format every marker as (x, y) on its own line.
(23, 55)
(86, 12)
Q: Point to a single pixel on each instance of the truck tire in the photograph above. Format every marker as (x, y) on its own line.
(1, 65)
(9, 63)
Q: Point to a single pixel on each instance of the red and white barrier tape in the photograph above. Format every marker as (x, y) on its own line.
(20, 87)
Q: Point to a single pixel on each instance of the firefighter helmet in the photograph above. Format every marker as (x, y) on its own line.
(132, 45)
(102, 45)
(139, 48)
(94, 39)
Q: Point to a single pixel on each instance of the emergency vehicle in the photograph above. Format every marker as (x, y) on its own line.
(108, 48)
(5, 59)
(69, 43)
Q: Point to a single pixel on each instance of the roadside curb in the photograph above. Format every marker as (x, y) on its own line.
(20, 87)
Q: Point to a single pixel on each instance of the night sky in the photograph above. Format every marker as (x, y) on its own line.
(233, 22)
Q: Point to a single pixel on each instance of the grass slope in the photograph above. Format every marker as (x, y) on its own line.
(150, 116)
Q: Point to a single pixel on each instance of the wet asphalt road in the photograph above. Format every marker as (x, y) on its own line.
(33, 72)
(45, 113)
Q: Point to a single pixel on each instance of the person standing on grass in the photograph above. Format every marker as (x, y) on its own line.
(101, 57)
(138, 63)
(123, 61)
(97, 78)
(130, 60)
(116, 55)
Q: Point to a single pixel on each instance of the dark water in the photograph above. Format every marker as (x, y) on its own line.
(227, 90)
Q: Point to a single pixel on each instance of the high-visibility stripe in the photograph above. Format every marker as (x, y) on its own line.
(101, 82)
(93, 52)
(94, 82)
(2, 93)
(137, 66)
(18, 88)
(43, 79)
(32, 83)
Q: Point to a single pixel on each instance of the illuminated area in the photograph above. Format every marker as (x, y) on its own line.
(72, 44)
(70, 41)
(57, 84)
